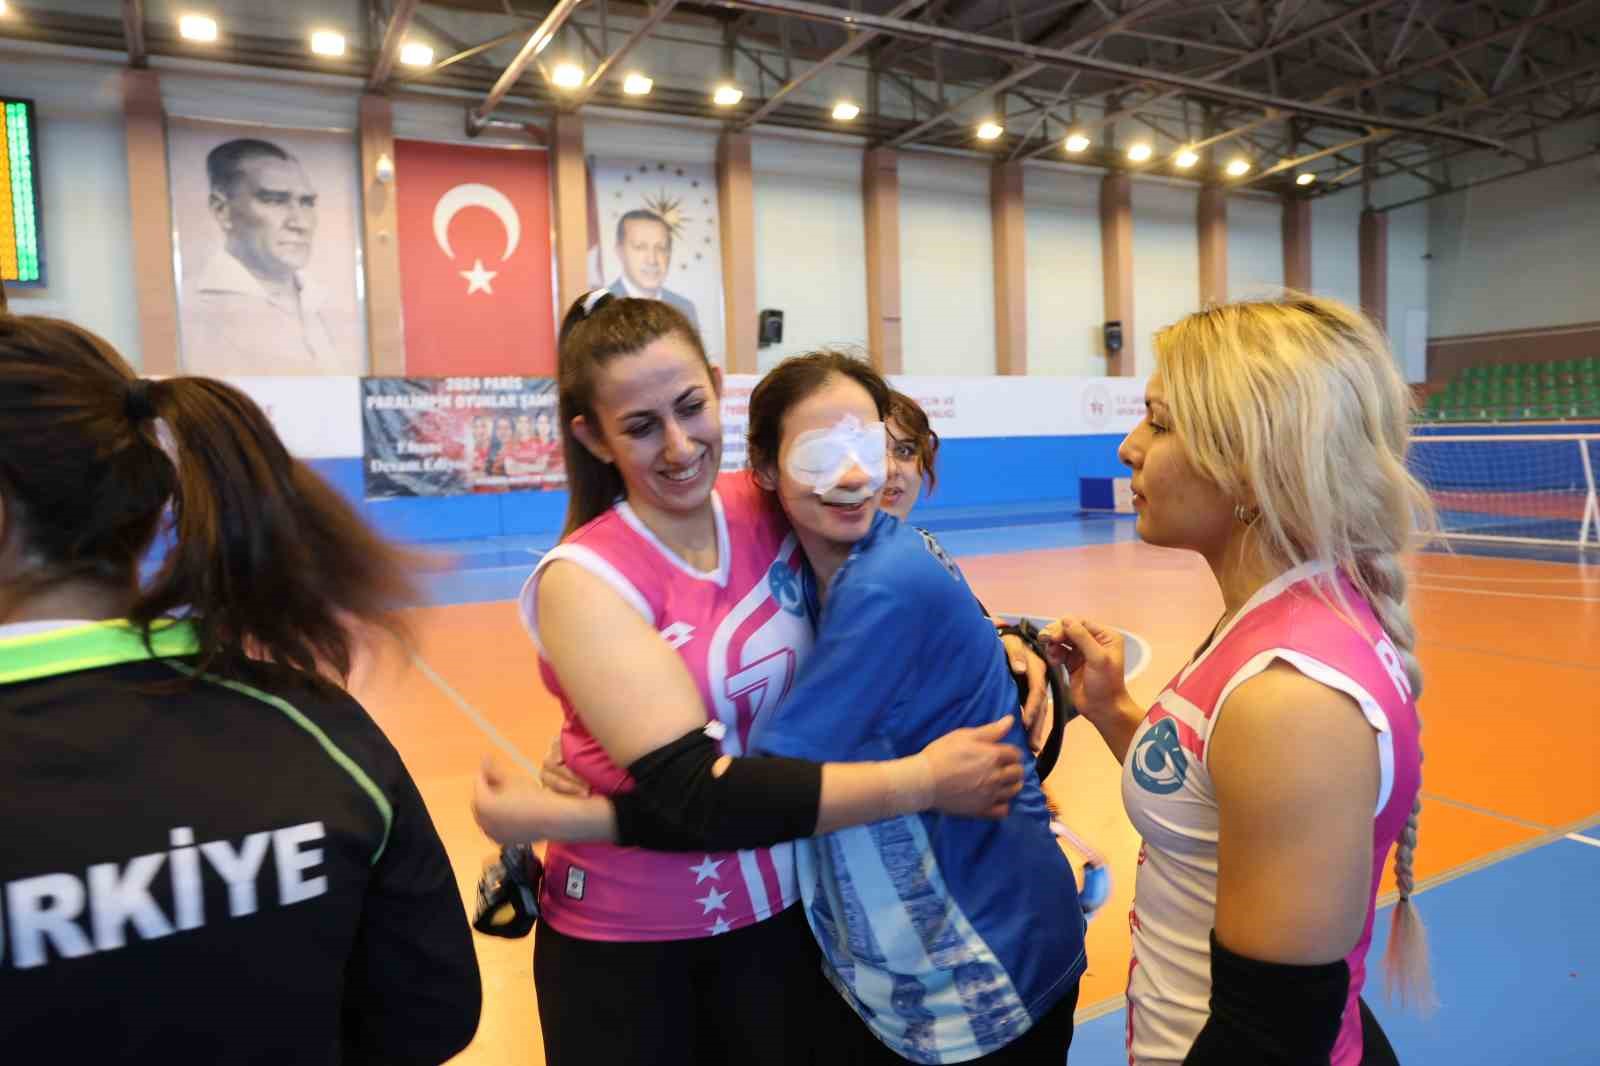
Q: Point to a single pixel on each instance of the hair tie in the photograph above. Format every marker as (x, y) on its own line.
(595, 299)
(136, 401)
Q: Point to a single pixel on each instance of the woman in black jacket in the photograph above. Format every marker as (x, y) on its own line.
(211, 853)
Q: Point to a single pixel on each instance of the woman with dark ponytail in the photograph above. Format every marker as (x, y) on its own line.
(670, 624)
(212, 851)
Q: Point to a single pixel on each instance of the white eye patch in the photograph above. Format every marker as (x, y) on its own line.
(820, 458)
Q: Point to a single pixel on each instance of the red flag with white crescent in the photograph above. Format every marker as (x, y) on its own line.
(475, 264)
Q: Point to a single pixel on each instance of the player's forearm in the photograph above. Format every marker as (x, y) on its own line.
(563, 819)
(857, 793)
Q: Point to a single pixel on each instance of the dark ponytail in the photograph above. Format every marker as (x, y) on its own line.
(598, 328)
(267, 560)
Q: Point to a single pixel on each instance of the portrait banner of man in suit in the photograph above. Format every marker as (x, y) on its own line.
(658, 238)
(268, 240)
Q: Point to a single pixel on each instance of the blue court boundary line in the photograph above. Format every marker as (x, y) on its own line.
(1443, 877)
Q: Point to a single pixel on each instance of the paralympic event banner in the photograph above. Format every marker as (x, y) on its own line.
(461, 435)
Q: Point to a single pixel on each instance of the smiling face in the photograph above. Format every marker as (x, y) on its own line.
(904, 485)
(657, 421)
(1178, 508)
(825, 522)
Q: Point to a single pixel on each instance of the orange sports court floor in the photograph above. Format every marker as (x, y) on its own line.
(1509, 853)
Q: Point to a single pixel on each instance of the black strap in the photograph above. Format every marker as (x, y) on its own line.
(1060, 696)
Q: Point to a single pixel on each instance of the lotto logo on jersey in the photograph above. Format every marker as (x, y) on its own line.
(678, 634)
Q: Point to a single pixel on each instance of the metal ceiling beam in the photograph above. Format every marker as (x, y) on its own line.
(1339, 92)
(855, 43)
(1023, 73)
(1312, 157)
(393, 36)
(1449, 54)
(1516, 52)
(1230, 67)
(662, 9)
(999, 46)
(464, 55)
(133, 32)
(536, 43)
(1448, 190)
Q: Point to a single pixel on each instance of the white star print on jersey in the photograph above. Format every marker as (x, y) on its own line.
(714, 900)
(706, 869)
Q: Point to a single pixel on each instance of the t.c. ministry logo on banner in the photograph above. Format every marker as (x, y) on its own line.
(1096, 406)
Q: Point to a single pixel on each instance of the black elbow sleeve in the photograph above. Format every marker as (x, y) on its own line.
(679, 804)
(1270, 1013)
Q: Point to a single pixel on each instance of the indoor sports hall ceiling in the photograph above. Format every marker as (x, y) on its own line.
(1333, 94)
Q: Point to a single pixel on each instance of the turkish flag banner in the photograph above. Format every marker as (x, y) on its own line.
(475, 264)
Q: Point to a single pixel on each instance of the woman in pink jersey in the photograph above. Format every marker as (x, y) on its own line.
(1274, 445)
(691, 585)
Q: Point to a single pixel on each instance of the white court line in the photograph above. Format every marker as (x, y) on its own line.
(1487, 813)
(1511, 595)
(1580, 838)
(500, 740)
(1440, 575)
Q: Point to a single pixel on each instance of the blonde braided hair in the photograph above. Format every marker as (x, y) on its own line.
(1296, 405)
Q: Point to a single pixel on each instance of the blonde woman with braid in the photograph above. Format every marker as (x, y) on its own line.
(1272, 777)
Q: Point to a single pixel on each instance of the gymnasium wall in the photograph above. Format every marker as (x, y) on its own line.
(1521, 253)
(809, 246)
(809, 258)
(83, 197)
(811, 187)
(1065, 292)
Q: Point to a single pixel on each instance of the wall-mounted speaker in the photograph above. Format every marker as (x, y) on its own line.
(771, 328)
(1113, 338)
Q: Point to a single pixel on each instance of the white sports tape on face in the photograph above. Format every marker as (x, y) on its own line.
(820, 458)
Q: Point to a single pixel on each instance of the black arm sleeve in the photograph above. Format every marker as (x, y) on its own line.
(411, 992)
(677, 804)
(1270, 1013)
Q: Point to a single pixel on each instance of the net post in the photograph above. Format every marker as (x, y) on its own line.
(1591, 509)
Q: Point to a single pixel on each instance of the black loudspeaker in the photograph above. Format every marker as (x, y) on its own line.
(1113, 337)
(771, 330)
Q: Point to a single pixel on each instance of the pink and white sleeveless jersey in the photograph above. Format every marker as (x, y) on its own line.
(742, 630)
(1167, 790)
